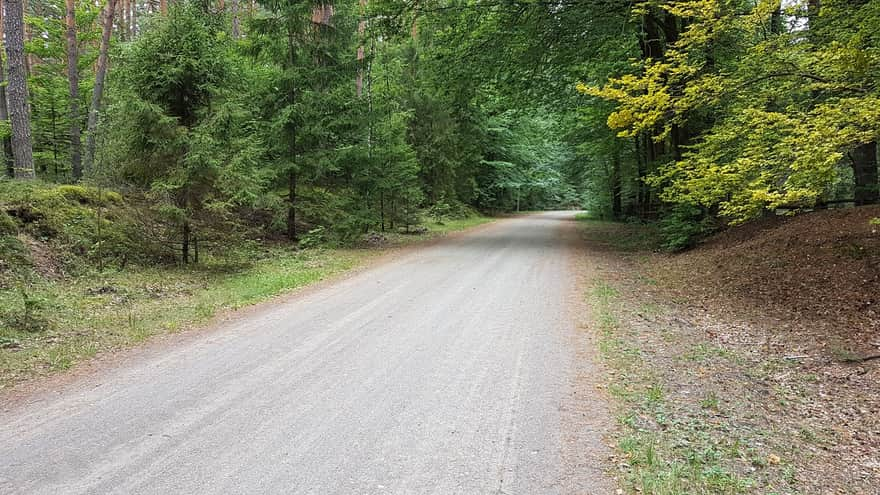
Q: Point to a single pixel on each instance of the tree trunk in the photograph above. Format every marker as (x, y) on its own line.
(163, 7)
(73, 80)
(393, 210)
(291, 207)
(649, 40)
(362, 29)
(98, 91)
(616, 200)
(17, 91)
(126, 34)
(236, 21)
(4, 110)
(30, 59)
(382, 211)
(184, 249)
(133, 18)
(864, 163)
(53, 114)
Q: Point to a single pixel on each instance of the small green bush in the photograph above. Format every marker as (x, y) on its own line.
(439, 211)
(683, 226)
(314, 238)
(7, 224)
(459, 210)
(31, 315)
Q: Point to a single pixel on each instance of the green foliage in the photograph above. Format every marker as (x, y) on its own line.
(8, 226)
(314, 238)
(48, 84)
(526, 163)
(181, 127)
(178, 64)
(29, 314)
(439, 211)
(774, 111)
(271, 134)
(684, 225)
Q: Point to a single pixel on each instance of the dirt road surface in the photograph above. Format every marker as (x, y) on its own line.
(453, 369)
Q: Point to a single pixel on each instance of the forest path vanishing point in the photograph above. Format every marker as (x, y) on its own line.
(459, 368)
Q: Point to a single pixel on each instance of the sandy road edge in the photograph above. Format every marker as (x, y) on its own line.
(587, 420)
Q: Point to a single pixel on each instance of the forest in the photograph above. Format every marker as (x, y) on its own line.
(166, 163)
(342, 119)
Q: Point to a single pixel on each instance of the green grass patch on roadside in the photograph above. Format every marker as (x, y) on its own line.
(665, 454)
(100, 311)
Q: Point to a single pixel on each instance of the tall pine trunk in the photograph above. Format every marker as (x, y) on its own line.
(73, 79)
(98, 91)
(4, 110)
(17, 91)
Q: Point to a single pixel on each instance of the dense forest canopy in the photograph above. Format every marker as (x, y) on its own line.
(349, 117)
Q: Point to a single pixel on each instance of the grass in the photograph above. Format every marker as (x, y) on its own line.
(101, 311)
(666, 453)
(669, 449)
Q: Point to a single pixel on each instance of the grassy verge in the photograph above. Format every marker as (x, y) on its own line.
(674, 437)
(99, 311)
(665, 452)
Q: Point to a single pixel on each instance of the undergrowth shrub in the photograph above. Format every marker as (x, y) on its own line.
(314, 238)
(8, 226)
(683, 226)
(439, 211)
(29, 313)
(459, 210)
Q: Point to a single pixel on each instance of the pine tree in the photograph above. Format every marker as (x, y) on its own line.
(73, 79)
(17, 91)
(98, 91)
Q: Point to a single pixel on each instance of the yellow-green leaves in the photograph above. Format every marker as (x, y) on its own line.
(772, 103)
(756, 159)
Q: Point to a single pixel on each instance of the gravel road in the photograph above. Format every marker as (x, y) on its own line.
(447, 370)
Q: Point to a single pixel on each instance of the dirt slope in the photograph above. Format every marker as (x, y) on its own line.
(819, 272)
